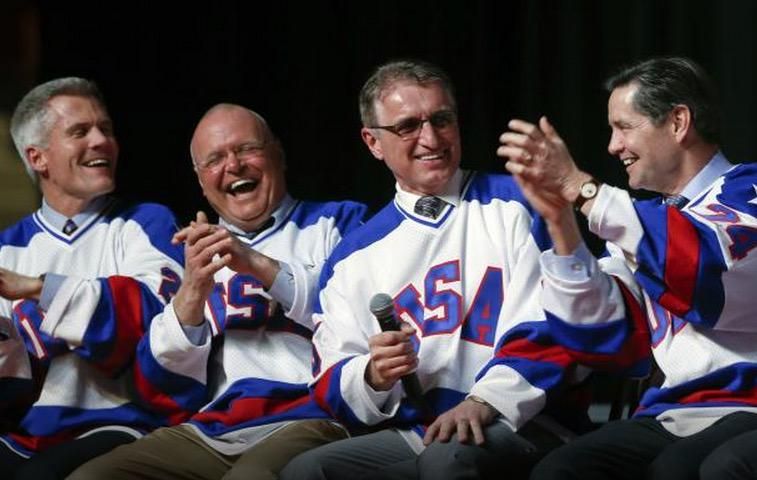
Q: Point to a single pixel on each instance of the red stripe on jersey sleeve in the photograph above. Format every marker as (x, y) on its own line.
(245, 409)
(681, 264)
(524, 348)
(157, 399)
(127, 306)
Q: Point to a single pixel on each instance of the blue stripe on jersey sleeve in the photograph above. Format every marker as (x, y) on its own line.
(485, 187)
(605, 339)
(382, 224)
(19, 234)
(653, 255)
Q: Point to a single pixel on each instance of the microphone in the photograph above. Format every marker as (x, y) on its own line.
(382, 307)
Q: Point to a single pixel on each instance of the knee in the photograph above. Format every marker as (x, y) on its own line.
(91, 470)
(459, 460)
(557, 465)
(250, 471)
(723, 464)
(668, 467)
(305, 466)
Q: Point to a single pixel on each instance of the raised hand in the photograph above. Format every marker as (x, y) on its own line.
(202, 242)
(539, 156)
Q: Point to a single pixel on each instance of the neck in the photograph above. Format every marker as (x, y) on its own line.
(67, 206)
(695, 159)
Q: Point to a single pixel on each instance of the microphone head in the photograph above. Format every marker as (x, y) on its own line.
(381, 304)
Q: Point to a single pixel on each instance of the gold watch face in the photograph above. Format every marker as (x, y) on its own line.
(588, 190)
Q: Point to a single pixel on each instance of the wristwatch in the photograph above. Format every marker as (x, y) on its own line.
(587, 191)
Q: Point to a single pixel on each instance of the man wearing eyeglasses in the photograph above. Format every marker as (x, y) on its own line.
(458, 252)
(249, 283)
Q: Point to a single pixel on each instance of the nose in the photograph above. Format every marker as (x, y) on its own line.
(428, 137)
(97, 137)
(616, 143)
(232, 162)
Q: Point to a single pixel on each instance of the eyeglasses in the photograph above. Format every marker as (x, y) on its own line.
(410, 128)
(243, 151)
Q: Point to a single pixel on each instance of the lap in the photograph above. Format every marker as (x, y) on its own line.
(170, 452)
(266, 459)
(60, 460)
(621, 449)
(350, 458)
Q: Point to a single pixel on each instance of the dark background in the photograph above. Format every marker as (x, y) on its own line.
(301, 65)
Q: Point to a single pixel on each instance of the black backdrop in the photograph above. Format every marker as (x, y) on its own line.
(301, 64)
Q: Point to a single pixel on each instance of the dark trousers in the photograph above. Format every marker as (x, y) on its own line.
(639, 448)
(56, 462)
(736, 459)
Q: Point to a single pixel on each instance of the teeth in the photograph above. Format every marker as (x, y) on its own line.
(245, 183)
(239, 183)
(430, 157)
(628, 161)
(98, 162)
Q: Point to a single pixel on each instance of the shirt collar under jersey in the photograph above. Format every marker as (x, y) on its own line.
(451, 193)
(278, 216)
(716, 167)
(58, 220)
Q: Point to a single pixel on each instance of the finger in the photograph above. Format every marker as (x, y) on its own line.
(513, 138)
(445, 431)
(180, 236)
(201, 239)
(548, 129)
(407, 329)
(526, 128)
(515, 168)
(520, 126)
(478, 432)
(386, 361)
(204, 230)
(201, 217)
(514, 153)
(462, 430)
(431, 432)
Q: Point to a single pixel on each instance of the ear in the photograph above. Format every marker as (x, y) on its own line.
(373, 142)
(680, 122)
(36, 159)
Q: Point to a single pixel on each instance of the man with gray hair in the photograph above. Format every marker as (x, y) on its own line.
(250, 282)
(82, 366)
(471, 383)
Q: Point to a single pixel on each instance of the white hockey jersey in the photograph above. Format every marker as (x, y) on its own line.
(467, 282)
(92, 359)
(697, 271)
(260, 364)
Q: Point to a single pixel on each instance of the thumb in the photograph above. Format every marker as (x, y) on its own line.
(201, 217)
(548, 129)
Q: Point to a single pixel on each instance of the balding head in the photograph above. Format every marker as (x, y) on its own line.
(239, 164)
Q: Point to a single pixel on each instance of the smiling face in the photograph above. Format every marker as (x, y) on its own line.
(421, 165)
(651, 153)
(78, 162)
(239, 165)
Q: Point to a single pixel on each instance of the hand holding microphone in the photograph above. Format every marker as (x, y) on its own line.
(392, 354)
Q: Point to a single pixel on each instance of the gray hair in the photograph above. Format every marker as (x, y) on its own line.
(665, 82)
(31, 120)
(387, 75)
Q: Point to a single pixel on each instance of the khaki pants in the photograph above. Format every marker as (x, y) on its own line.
(178, 453)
